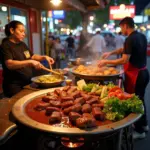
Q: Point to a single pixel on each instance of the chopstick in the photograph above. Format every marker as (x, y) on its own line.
(50, 66)
(49, 70)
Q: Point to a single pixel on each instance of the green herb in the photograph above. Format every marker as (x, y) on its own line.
(88, 87)
(116, 109)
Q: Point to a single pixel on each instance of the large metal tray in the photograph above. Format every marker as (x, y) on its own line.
(95, 77)
(18, 111)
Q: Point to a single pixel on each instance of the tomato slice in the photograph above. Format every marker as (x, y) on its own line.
(127, 96)
(114, 89)
(118, 91)
(121, 96)
(112, 94)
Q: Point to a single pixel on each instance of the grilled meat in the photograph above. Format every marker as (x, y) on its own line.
(55, 117)
(41, 106)
(73, 116)
(66, 88)
(86, 108)
(55, 103)
(92, 101)
(100, 105)
(86, 96)
(67, 104)
(76, 94)
(85, 122)
(79, 100)
(74, 108)
(72, 89)
(57, 92)
(66, 98)
(98, 114)
(49, 110)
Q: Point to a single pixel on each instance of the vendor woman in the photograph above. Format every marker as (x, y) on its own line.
(17, 59)
(136, 74)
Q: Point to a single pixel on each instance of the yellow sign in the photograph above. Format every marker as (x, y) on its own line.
(147, 12)
(27, 54)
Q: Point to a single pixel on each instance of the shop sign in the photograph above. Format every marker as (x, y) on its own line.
(119, 12)
(58, 14)
(147, 12)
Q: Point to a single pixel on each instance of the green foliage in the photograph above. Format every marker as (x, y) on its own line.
(89, 87)
(102, 15)
(116, 109)
(73, 19)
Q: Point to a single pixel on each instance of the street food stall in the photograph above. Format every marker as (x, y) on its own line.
(78, 115)
(40, 108)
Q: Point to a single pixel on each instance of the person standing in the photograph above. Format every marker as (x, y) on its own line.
(56, 52)
(119, 40)
(97, 45)
(17, 59)
(70, 46)
(134, 58)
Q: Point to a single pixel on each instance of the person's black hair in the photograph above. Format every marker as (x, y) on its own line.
(70, 34)
(120, 33)
(98, 32)
(13, 24)
(128, 21)
(57, 38)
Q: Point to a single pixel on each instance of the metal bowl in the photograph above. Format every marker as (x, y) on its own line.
(77, 61)
(95, 77)
(50, 84)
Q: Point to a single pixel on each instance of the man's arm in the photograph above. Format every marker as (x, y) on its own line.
(117, 51)
(124, 59)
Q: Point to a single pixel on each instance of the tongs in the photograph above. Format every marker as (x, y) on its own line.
(52, 71)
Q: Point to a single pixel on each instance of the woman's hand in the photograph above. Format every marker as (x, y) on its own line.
(106, 55)
(36, 64)
(49, 60)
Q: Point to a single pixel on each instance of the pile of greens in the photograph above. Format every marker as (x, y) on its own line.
(89, 87)
(116, 109)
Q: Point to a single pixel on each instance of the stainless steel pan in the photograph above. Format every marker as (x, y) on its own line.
(50, 84)
(95, 77)
(18, 111)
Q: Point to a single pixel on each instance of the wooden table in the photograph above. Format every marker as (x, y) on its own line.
(7, 122)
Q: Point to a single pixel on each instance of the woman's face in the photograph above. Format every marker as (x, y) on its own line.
(57, 40)
(18, 33)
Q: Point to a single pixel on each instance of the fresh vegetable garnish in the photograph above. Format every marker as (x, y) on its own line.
(117, 110)
(110, 85)
(119, 93)
(88, 87)
(115, 89)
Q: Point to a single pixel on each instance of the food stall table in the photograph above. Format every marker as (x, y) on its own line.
(7, 122)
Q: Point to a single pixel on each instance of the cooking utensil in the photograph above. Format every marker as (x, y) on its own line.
(50, 66)
(50, 84)
(52, 71)
(77, 61)
(61, 71)
(18, 111)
